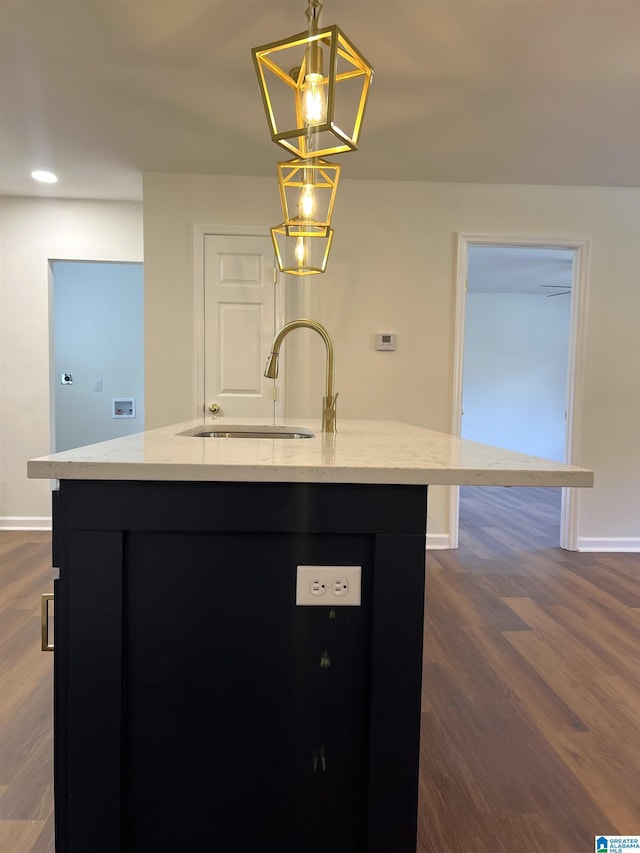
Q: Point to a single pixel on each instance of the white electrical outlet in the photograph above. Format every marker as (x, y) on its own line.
(328, 586)
(317, 586)
(340, 586)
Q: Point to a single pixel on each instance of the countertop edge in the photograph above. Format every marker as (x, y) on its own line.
(362, 452)
(60, 470)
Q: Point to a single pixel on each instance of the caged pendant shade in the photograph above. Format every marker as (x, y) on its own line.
(301, 248)
(308, 191)
(314, 88)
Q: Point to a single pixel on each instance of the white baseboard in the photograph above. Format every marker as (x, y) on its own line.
(25, 522)
(435, 541)
(438, 541)
(629, 544)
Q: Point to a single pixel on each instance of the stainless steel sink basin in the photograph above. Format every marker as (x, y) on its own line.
(248, 431)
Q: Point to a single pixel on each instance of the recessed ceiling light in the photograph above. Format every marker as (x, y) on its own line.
(44, 177)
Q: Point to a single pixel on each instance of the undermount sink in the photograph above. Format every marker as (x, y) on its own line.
(248, 431)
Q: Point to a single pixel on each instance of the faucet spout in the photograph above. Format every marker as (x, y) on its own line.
(271, 367)
(329, 399)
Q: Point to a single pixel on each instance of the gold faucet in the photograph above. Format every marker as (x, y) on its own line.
(271, 368)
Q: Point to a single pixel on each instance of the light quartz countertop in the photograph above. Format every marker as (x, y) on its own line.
(360, 452)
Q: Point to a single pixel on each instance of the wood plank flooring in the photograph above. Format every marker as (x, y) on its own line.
(531, 710)
(26, 696)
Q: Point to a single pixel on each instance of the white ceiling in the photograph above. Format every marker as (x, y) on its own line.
(489, 91)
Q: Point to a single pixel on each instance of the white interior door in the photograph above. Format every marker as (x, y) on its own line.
(239, 324)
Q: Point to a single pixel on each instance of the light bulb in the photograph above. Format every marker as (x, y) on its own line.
(314, 100)
(307, 201)
(300, 252)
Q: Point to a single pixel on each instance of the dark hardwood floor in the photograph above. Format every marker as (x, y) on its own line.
(531, 710)
(26, 695)
(531, 714)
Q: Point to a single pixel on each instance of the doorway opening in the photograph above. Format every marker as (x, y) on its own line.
(96, 357)
(519, 334)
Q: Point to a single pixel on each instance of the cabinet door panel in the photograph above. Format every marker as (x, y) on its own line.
(88, 694)
(237, 736)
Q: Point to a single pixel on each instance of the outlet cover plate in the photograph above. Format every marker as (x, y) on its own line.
(328, 586)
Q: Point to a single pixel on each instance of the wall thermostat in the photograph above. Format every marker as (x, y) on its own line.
(386, 342)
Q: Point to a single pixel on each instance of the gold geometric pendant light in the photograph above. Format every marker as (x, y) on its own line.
(308, 191)
(314, 88)
(301, 249)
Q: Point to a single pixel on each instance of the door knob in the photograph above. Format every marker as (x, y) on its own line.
(214, 408)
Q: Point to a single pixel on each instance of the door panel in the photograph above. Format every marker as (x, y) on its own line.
(239, 366)
(240, 314)
(235, 734)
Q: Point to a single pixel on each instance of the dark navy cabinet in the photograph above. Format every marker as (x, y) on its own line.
(197, 708)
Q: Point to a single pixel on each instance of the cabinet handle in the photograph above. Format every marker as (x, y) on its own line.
(44, 621)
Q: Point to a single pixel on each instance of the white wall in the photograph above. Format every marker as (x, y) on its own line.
(392, 269)
(33, 232)
(516, 350)
(98, 333)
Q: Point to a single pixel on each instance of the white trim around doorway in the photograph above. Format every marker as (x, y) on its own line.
(575, 372)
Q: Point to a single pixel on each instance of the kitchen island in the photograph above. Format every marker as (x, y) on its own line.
(197, 706)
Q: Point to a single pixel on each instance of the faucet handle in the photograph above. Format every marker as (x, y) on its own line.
(329, 413)
(329, 403)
